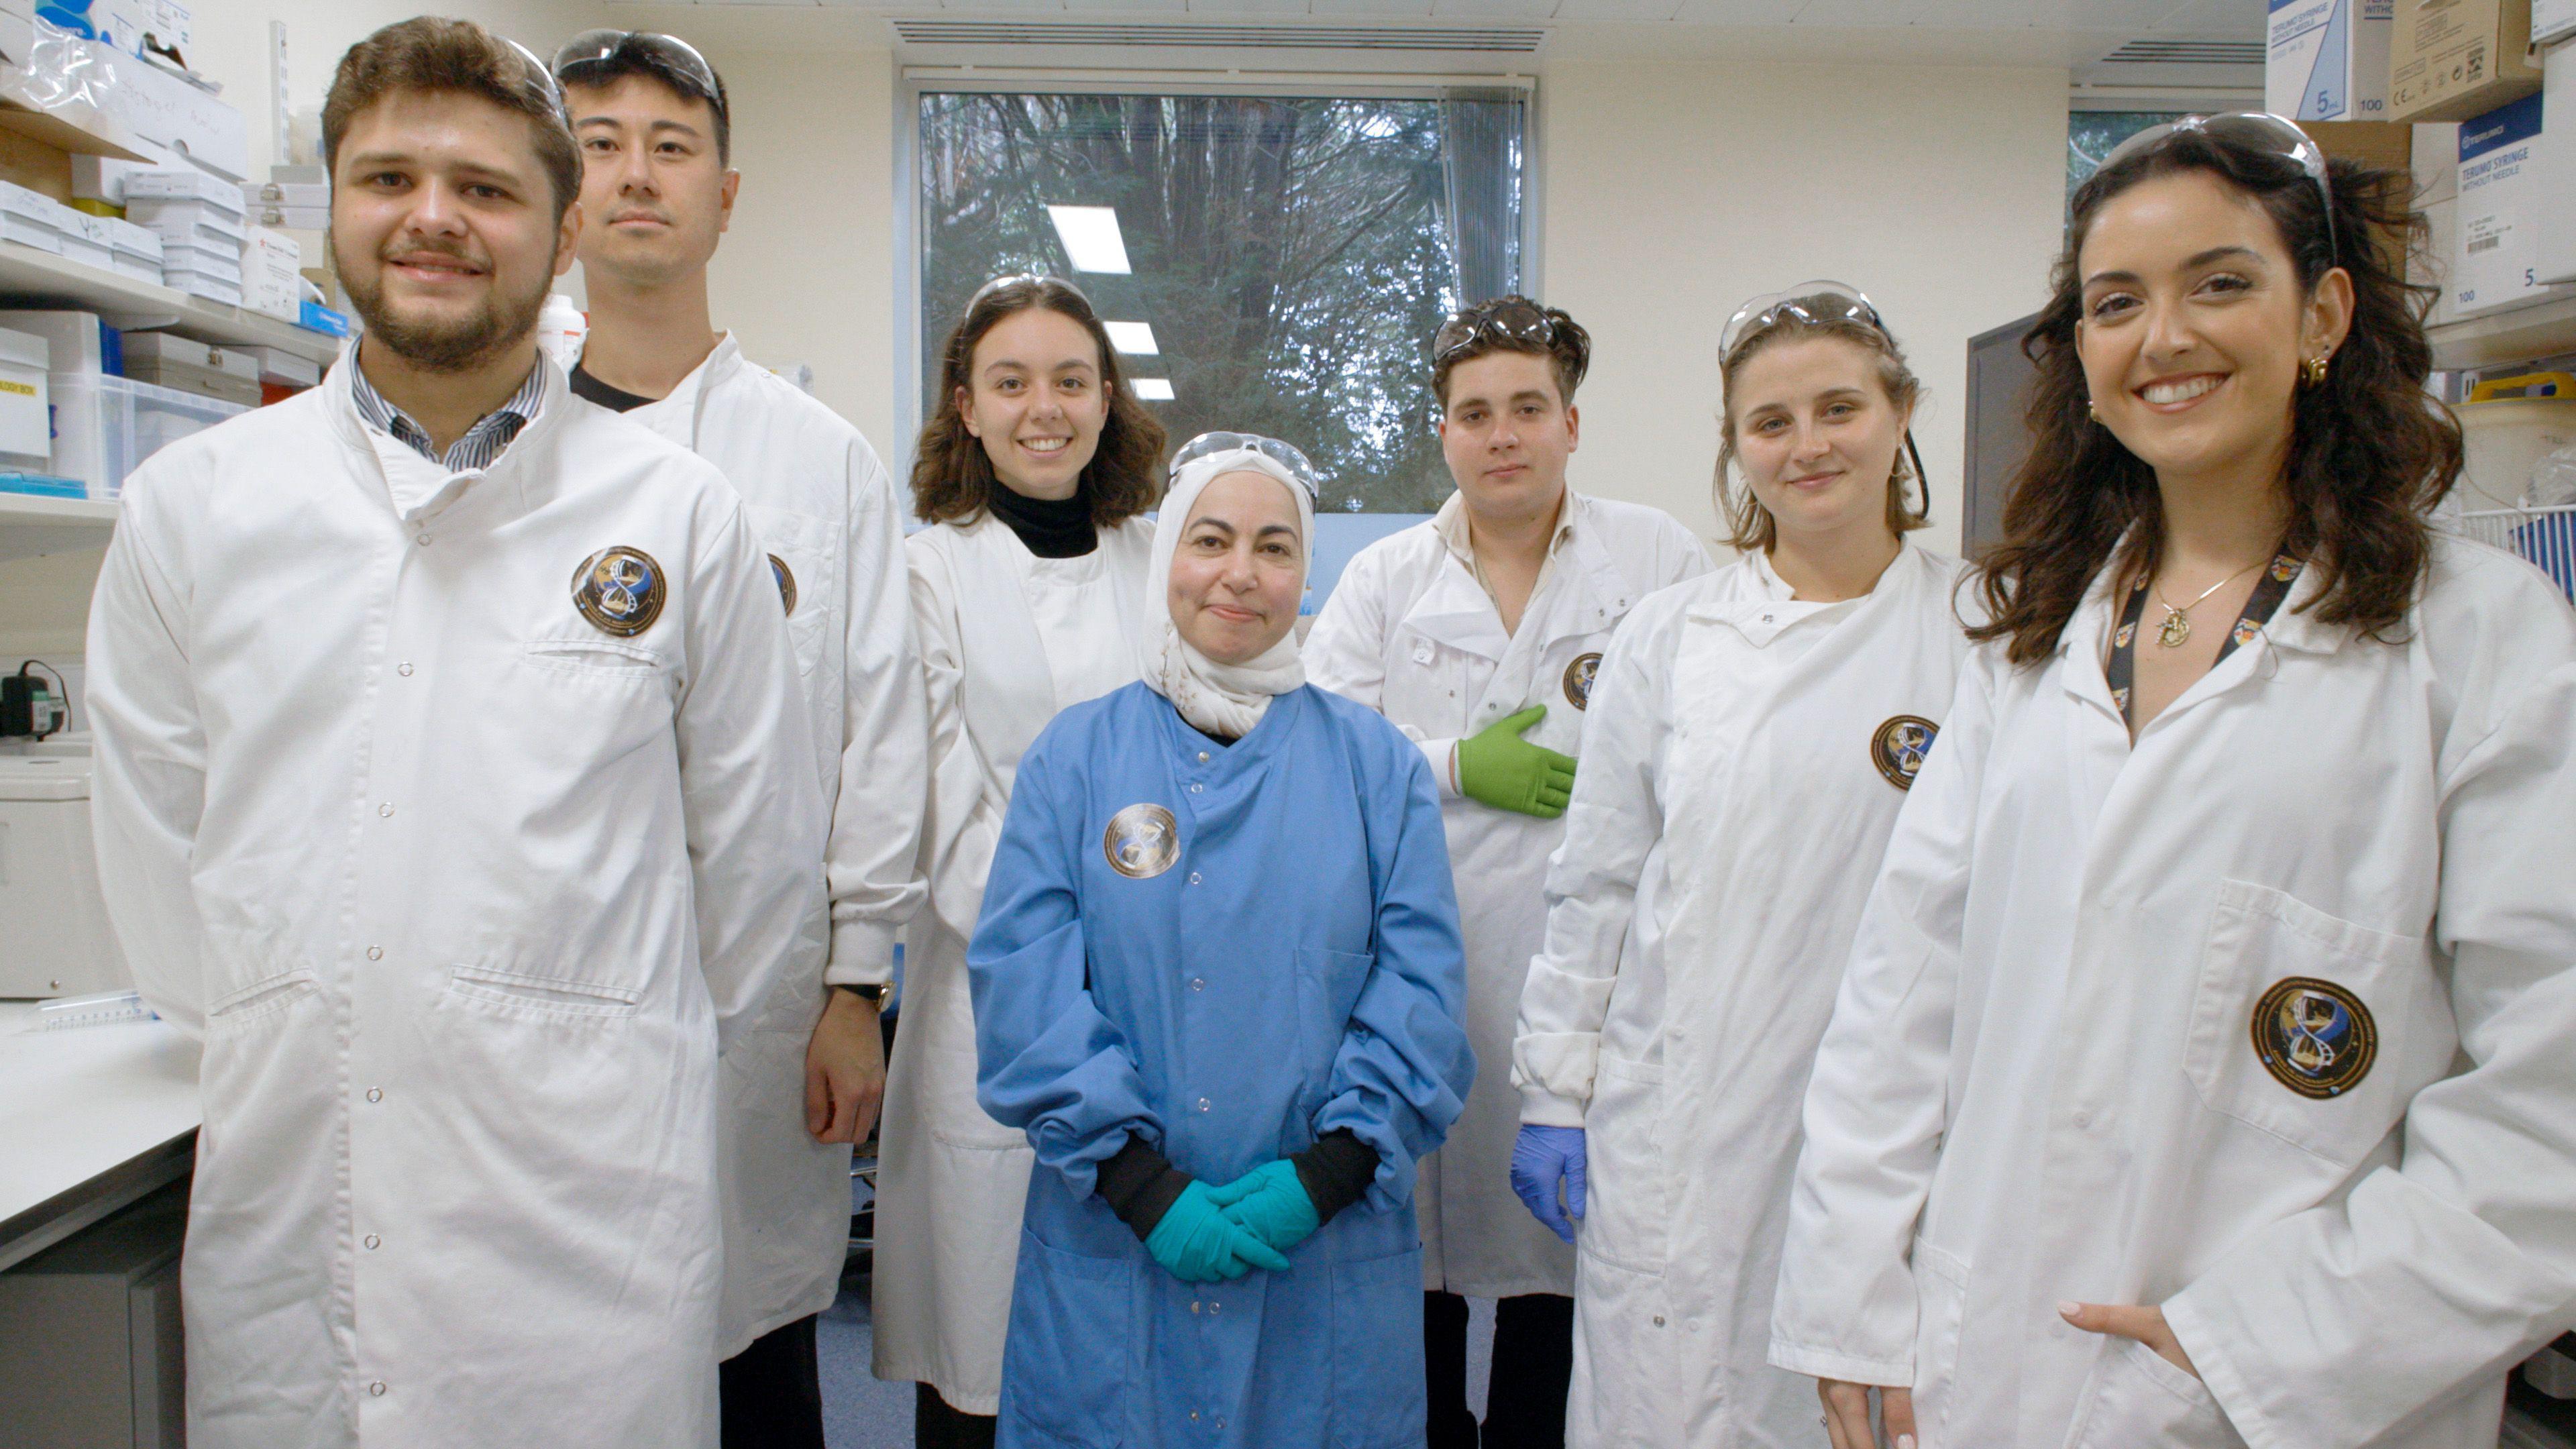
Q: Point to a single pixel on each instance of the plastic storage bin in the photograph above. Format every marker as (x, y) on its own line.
(51, 912)
(104, 427)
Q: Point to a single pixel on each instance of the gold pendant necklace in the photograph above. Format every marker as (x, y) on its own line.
(2175, 631)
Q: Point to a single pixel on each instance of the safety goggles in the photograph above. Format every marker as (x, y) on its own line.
(675, 59)
(540, 79)
(1814, 303)
(1285, 455)
(2256, 131)
(1509, 321)
(1023, 279)
(1818, 303)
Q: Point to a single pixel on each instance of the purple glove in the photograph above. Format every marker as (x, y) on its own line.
(1541, 1156)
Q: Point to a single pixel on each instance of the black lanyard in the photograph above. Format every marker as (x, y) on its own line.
(2121, 670)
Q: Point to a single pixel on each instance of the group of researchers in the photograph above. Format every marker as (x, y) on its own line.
(2119, 994)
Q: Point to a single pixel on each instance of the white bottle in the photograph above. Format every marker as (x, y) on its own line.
(560, 330)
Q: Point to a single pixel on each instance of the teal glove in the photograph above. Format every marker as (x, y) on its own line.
(1271, 1204)
(1497, 766)
(1197, 1243)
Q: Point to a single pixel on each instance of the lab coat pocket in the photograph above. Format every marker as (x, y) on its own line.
(2135, 1398)
(1629, 1208)
(244, 1006)
(1066, 1368)
(2298, 1022)
(524, 996)
(800, 554)
(1376, 1353)
(1941, 1307)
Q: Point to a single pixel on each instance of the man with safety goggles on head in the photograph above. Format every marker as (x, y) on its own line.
(653, 124)
(1477, 634)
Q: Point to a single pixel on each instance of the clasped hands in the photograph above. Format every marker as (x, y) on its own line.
(1218, 1234)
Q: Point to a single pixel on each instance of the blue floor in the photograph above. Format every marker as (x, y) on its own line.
(861, 1413)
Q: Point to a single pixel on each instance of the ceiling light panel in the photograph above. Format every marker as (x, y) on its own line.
(1136, 339)
(1153, 389)
(1091, 238)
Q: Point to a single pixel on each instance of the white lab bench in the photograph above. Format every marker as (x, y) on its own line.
(91, 1119)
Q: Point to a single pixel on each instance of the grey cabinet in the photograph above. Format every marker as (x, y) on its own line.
(90, 1353)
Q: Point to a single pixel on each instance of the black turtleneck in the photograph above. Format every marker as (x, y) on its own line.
(1050, 527)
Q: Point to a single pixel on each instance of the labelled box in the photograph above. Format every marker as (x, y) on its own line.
(2449, 60)
(2327, 60)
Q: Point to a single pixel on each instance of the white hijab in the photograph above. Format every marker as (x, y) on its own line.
(1225, 700)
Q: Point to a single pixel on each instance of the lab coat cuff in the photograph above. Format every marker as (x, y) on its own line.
(862, 954)
(1443, 755)
(1543, 1108)
(1826, 1363)
(2209, 1352)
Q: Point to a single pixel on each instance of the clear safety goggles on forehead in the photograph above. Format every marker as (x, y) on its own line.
(1818, 303)
(2256, 131)
(1024, 279)
(1512, 320)
(1283, 454)
(540, 79)
(677, 58)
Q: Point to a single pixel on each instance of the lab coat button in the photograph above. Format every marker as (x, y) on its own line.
(1215, 1307)
(1203, 1104)
(403, 669)
(374, 1242)
(422, 540)
(375, 953)
(1194, 877)
(385, 809)
(1659, 1320)
(1202, 757)
(1220, 1422)
(377, 1388)
(2083, 1119)
(375, 1094)
(1194, 1416)
(1198, 983)
(1196, 788)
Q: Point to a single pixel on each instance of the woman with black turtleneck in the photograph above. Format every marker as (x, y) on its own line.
(1035, 475)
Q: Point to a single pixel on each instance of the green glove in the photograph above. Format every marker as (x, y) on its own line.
(1507, 772)
(1271, 1204)
(1197, 1243)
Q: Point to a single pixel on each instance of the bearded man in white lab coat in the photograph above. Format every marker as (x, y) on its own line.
(658, 187)
(1477, 634)
(453, 784)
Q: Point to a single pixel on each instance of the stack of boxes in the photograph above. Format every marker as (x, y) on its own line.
(200, 222)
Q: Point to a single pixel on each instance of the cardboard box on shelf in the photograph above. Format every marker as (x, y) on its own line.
(2435, 164)
(2327, 60)
(272, 274)
(31, 218)
(281, 368)
(26, 433)
(2495, 258)
(2449, 60)
(2556, 251)
(79, 344)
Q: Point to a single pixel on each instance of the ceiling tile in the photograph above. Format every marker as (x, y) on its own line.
(1495, 9)
(1580, 10)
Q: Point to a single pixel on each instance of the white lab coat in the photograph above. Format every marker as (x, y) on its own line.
(823, 506)
(1723, 833)
(1410, 633)
(2041, 1083)
(1007, 639)
(463, 894)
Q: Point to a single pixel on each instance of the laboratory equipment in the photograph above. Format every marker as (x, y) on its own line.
(53, 919)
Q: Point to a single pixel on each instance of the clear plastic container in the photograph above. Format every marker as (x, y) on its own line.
(104, 427)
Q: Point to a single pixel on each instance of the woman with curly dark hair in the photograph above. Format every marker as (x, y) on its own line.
(2200, 1074)
(1035, 473)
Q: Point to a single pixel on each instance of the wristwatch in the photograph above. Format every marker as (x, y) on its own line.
(874, 993)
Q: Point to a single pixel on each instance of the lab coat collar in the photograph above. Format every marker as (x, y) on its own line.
(679, 415)
(1756, 610)
(414, 487)
(1226, 763)
(2086, 639)
(1580, 592)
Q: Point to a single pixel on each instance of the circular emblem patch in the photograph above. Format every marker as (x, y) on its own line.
(1901, 746)
(620, 590)
(1578, 680)
(1142, 841)
(786, 581)
(2314, 1037)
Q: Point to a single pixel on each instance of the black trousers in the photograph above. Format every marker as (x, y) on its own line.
(937, 1426)
(771, 1394)
(1533, 1367)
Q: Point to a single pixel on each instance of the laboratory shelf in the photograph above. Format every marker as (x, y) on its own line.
(2517, 334)
(31, 525)
(128, 302)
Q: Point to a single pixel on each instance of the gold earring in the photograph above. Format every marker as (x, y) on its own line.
(2313, 371)
(2089, 413)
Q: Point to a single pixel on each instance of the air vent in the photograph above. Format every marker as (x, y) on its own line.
(1230, 37)
(2187, 52)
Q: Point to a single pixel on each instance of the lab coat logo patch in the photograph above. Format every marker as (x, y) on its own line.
(1578, 680)
(2314, 1037)
(786, 577)
(1142, 841)
(1901, 746)
(620, 590)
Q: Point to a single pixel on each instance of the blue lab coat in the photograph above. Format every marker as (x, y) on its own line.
(1293, 967)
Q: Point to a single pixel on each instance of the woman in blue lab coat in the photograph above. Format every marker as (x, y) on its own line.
(1218, 982)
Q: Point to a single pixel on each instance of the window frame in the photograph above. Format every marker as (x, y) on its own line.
(914, 81)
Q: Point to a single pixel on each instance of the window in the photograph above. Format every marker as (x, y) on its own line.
(2093, 135)
(1272, 264)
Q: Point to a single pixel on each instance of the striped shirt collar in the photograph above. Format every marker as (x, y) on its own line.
(482, 442)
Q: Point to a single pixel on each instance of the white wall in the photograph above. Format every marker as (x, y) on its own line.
(1676, 191)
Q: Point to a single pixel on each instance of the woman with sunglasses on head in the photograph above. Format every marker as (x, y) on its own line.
(1750, 738)
(1218, 984)
(2201, 1073)
(1035, 475)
